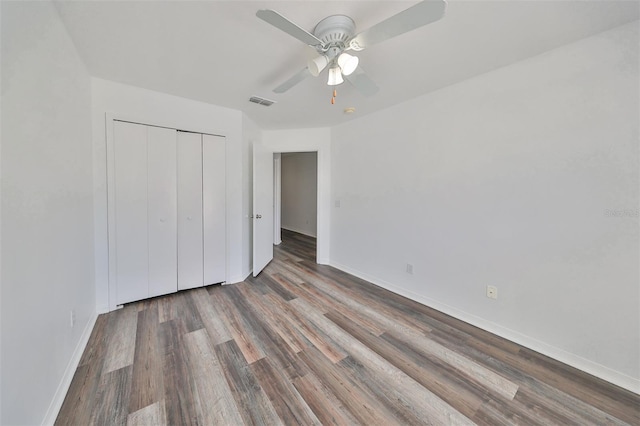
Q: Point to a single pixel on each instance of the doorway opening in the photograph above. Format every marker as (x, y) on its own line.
(295, 192)
(265, 183)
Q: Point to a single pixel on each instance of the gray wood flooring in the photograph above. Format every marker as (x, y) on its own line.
(307, 344)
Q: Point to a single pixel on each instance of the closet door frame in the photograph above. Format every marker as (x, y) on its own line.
(110, 249)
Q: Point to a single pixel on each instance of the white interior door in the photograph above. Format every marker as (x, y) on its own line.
(262, 207)
(132, 256)
(214, 213)
(190, 244)
(162, 213)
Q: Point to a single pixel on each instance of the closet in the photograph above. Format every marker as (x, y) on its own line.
(167, 220)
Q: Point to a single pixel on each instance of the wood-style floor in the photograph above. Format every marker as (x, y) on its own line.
(308, 344)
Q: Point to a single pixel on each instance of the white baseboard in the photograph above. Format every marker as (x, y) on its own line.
(300, 232)
(573, 360)
(239, 278)
(63, 387)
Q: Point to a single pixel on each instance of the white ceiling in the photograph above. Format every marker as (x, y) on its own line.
(219, 52)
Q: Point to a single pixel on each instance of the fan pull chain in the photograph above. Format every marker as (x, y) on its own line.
(333, 99)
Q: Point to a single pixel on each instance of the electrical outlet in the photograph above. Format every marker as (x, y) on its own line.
(72, 318)
(409, 268)
(492, 292)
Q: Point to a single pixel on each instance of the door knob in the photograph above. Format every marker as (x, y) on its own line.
(258, 216)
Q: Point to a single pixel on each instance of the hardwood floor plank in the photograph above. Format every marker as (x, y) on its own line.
(357, 319)
(112, 400)
(554, 401)
(594, 391)
(147, 378)
(485, 377)
(277, 269)
(167, 308)
(300, 289)
(359, 402)
(286, 400)
(264, 308)
(311, 333)
(274, 285)
(253, 404)
(260, 329)
(394, 399)
(383, 316)
(490, 414)
(348, 295)
(214, 404)
(96, 346)
(179, 387)
(408, 390)
(558, 401)
(187, 311)
(327, 408)
(435, 320)
(81, 396)
(210, 316)
(82, 393)
(251, 349)
(535, 405)
(122, 344)
(443, 382)
(151, 415)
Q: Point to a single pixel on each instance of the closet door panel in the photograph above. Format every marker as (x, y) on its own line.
(190, 245)
(131, 238)
(214, 210)
(162, 213)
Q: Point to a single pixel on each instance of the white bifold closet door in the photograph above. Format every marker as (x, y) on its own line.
(167, 224)
(162, 214)
(190, 214)
(132, 256)
(145, 211)
(214, 199)
(201, 210)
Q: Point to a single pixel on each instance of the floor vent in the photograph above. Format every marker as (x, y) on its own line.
(261, 101)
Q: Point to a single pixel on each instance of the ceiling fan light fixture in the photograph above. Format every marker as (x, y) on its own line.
(348, 63)
(335, 76)
(316, 65)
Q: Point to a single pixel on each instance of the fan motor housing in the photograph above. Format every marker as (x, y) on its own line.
(334, 31)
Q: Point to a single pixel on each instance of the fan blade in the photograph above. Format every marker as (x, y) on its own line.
(274, 18)
(416, 16)
(297, 78)
(362, 82)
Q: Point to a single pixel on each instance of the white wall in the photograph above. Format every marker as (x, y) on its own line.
(505, 179)
(47, 211)
(149, 107)
(299, 182)
(307, 140)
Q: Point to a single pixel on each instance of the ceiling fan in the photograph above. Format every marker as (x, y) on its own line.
(335, 35)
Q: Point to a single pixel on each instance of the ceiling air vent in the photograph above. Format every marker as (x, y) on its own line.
(261, 101)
